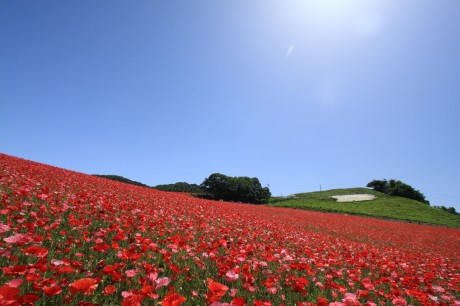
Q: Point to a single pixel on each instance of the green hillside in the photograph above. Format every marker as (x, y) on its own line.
(121, 179)
(180, 187)
(384, 206)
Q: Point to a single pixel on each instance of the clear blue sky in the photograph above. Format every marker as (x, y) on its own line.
(296, 93)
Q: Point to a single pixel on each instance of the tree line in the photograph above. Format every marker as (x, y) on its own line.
(222, 187)
(180, 187)
(249, 189)
(450, 210)
(121, 179)
(217, 187)
(397, 188)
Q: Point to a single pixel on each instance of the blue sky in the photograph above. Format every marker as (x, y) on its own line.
(296, 93)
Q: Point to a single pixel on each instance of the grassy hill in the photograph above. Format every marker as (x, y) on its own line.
(120, 179)
(384, 206)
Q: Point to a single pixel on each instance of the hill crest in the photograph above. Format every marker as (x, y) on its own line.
(383, 206)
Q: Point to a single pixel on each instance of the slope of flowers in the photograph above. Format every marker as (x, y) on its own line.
(70, 238)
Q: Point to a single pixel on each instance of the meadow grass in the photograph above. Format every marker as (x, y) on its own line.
(383, 206)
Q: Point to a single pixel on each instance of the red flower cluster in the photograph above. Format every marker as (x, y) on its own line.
(84, 285)
(70, 238)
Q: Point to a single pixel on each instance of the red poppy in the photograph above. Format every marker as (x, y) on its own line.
(52, 290)
(262, 303)
(109, 289)
(84, 285)
(8, 293)
(30, 298)
(239, 301)
(173, 299)
(36, 251)
(322, 301)
(102, 247)
(15, 270)
(216, 291)
(131, 299)
(65, 270)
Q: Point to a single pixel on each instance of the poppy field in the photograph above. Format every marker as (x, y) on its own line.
(68, 238)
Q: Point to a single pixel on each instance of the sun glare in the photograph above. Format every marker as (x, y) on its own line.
(332, 9)
(331, 5)
(333, 21)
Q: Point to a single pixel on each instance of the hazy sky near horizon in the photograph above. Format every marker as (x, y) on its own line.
(296, 93)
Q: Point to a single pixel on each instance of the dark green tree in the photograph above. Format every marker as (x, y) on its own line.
(180, 187)
(218, 186)
(378, 185)
(397, 188)
(237, 189)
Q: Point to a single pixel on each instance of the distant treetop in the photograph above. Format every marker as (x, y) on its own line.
(180, 187)
(121, 179)
(397, 188)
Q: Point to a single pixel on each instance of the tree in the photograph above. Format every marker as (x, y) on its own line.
(378, 185)
(218, 186)
(241, 189)
(397, 188)
(180, 187)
